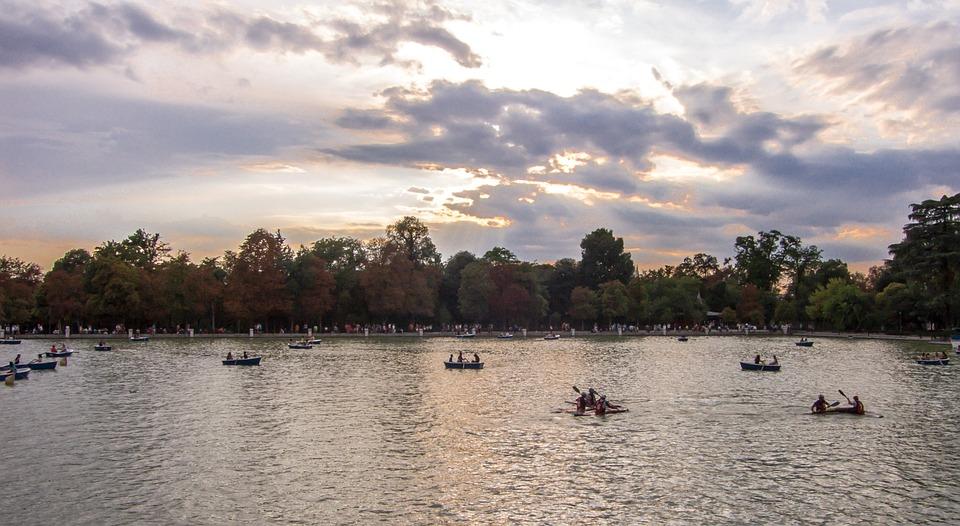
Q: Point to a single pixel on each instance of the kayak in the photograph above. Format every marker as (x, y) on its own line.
(255, 360)
(750, 366)
(589, 411)
(463, 365)
(847, 411)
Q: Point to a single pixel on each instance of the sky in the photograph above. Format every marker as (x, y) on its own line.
(525, 124)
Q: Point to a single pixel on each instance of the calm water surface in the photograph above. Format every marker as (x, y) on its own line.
(366, 431)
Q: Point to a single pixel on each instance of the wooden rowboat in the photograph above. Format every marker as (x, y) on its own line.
(750, 366)
(463, 365)
(254, 360)
(20, 374)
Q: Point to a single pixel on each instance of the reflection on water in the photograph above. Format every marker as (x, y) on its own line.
(377, 431)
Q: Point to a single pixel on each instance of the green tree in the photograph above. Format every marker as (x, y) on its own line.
(603, 259)
(561, 278)
(450, 284)
(614, 301)
(750, 310)
(759, 260)
(476, 289)
(18, 285)
(413, 239)
(346, 258)
(929, 256)
(840, 304)
(61, 297)
(312, 287)
(583, 305)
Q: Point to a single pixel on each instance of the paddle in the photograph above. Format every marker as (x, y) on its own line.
(845, 396)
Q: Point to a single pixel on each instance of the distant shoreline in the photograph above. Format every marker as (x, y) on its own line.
(492, 335)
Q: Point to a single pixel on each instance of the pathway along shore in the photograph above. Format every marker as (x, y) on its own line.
(493, 334)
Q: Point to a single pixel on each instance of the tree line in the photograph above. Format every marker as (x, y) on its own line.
(400, 278)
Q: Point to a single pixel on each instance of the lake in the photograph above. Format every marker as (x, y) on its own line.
(367, 431)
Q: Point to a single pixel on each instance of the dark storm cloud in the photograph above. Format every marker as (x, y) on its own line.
(32, 35)
(907, 68)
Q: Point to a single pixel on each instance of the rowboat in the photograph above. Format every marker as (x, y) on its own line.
(682, 339)
(467, 335)
(938, 361)
(804, 343)
(299, 345)
(102, 347)
(505, 336)
(33, 365)
(139, 338)
(463, 365)
(9, 341)
(750, 366)
(315, 341)
(255, 360)
(20, 374)
(552, 337)
(59, 354)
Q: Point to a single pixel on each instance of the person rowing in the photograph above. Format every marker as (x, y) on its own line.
(460, 357)
(581, 404)
(775, 360)
(820, 406)
(476, 358)
(16, 360)
(591, 397)
(229, 355)
(757, 360)
(856, 405)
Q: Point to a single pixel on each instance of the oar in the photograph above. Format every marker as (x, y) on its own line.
(845, 396)
(13, 374)
(835, 404)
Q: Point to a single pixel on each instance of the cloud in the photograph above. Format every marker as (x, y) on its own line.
(97, 34)
(591, 159)
(910, 68)
(57, 139)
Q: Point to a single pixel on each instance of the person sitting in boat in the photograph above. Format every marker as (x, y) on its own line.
(476, 358)
(775, 361)
(757, 360)
(17, 359)
(820, 406)
(591, 396)
(53, 348)
(600, 408)
(39, 358)
(244, 355)
(857, 405)
(582, 403)
(451, 359)
(460, 357)
(229, 355)
(101, 344)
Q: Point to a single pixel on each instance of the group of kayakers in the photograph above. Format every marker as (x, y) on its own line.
(460, 358)
(855, 405)
(589, 399)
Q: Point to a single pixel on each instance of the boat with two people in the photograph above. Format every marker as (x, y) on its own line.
(9, 340)
(463, 363)
(102, 346)
(804, 343)
(853, 407)
(759, 364)
(241, 360)
(552, 336)
(302, 344)
(139, 338)
(62, 352)
(33, 365)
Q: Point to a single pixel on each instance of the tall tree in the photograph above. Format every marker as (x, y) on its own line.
(313, 287)
(450, 284)
(603, 259)
(476, 289)
(758, 259)
(18, 284)
(413, 239)
(561, 279)
(61, 297)
(614, 301)
(929, 256)
(256, 288)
